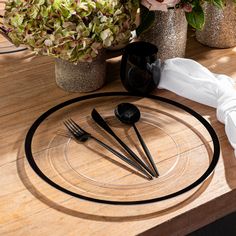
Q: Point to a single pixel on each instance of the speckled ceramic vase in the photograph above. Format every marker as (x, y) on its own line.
(83, 77)
(168, 33)
(220, 26)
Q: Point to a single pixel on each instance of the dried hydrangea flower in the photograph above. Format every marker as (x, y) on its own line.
(72, 30)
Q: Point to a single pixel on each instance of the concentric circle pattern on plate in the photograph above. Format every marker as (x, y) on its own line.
(178, 141)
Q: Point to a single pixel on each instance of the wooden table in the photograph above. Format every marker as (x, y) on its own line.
(27, 89)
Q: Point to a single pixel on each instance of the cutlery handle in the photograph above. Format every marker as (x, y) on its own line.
(101, 122)
(146, 150)
(122, 157)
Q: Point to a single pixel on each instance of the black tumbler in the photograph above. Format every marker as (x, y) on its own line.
(136, 71)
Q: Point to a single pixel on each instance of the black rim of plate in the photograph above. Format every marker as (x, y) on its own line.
(36, 124)
(11, 49)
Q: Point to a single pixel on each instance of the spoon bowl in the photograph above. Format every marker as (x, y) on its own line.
(127, 113)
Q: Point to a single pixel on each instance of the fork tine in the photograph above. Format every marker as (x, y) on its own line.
(73, 124)
(69, 127)
(74, 127)
(77, 126)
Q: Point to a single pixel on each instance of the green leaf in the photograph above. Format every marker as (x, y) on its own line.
(39, 2)
(34, 12)
(44, 11)
(65, 12)
(17, 20)
(196, 17)
(57, 3)
(147, 19)
(218, 3)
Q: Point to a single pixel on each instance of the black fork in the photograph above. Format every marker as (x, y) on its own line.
(82, 136)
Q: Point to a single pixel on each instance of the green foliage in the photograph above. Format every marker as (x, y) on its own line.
(196, 17)
(218, 3)
(147, 18)
(193, 11)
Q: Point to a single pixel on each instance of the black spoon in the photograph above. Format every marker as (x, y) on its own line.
(129, 114)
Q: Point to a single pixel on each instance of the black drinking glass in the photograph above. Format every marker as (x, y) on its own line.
(138, 75)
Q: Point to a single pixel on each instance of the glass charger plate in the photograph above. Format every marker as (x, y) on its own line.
(7, 47)
(178, 138)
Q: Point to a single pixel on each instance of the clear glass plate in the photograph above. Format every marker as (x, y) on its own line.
(178, 142)
(7, 47)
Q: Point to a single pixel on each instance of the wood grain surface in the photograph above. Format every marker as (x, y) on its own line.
(29, 206)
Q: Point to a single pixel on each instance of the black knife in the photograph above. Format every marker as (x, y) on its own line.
(102, 123)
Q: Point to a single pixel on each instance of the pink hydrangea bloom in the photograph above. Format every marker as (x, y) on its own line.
(160, 5)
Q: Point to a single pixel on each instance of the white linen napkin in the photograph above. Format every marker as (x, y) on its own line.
(191, 80)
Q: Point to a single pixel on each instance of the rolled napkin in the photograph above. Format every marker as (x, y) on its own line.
(191, 80)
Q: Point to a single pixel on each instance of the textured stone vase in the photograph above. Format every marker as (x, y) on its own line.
(168, 33)
(83, 77)
(220, 26)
